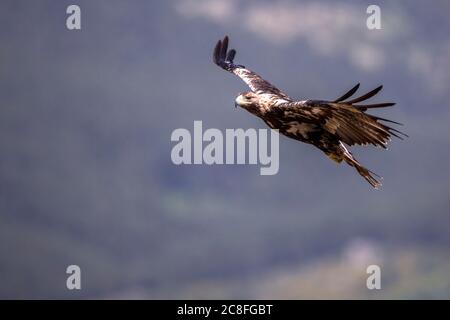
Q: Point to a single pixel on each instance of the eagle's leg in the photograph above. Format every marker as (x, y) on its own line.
(339, 152)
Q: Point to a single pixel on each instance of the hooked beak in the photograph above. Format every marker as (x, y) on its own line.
(238, 101)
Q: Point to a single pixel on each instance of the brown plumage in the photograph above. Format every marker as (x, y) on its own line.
(328, 125)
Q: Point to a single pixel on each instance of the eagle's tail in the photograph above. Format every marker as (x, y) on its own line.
(364, 172)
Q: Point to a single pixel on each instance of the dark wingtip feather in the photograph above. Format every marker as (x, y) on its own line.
(216, 54)
(402, 133)
(396, 135)
(394, 132)
(348, 94)
(224, 49)
(364, 107)
(384, 119)
(231, 55)
(366, 96)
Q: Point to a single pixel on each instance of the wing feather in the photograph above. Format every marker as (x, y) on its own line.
(371, 106)
(362, 98)
(351, 125)
(224, 58)
(348, 94)
(350, 122)
(366, 96)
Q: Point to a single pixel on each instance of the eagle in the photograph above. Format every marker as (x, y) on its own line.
(331, 126)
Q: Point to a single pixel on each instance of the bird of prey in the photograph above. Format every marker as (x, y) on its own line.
(328, 125)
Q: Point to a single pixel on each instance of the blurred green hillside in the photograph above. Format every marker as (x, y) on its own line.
(405, 274)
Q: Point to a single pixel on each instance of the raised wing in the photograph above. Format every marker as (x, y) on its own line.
(346, 120)
(224, 59)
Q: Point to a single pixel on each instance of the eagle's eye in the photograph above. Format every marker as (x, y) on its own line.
(247, 97)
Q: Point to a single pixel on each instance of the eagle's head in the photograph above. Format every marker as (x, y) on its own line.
(250, 101)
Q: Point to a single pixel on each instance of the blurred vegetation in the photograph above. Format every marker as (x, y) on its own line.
(86, 176)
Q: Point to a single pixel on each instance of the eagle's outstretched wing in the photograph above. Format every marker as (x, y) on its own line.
(224, 59)
(345, 119)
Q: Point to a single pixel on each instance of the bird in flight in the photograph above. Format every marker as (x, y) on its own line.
(328, 125)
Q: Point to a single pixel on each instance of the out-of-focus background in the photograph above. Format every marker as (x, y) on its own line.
(86, 176)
